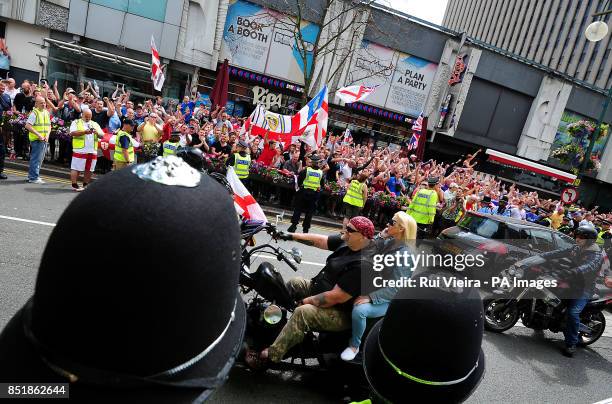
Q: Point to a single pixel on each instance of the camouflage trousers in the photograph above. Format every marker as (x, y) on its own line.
(306, 318)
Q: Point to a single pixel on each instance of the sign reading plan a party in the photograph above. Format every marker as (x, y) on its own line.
(411, 85)
(404, 80)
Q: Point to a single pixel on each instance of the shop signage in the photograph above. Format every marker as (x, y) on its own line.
(263, 41)
(264, 97)
(404, 80)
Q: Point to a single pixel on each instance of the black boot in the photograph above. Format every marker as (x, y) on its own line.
(569, 351)
(292, 228)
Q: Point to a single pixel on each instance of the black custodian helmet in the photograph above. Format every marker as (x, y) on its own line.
(125, 309)
(192, 156)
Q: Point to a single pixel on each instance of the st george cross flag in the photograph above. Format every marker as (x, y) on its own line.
(352, 94)
(309, 124)
(244, 202)
(157, 74)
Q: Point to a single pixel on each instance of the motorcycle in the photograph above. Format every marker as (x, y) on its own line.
(269, 304)
(539, 308)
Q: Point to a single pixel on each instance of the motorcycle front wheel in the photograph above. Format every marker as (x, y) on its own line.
(499, 316)
(597, 323)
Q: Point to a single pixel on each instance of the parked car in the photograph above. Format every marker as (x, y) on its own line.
(500, 240)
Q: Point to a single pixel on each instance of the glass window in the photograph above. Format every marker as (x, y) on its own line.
(153, 9)
(564, 242)
(543, 240)
(121, 5)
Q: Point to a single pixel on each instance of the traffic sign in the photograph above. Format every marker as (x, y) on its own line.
(569, 195)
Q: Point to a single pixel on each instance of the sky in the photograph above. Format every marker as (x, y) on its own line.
(429, 10)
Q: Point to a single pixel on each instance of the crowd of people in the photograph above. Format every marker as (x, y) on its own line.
(358, 178)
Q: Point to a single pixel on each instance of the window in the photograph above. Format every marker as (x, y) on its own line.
(542, 240)
(563, 242)
(155, 10)
(121, 5)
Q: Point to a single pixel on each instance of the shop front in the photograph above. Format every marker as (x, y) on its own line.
(72, 65)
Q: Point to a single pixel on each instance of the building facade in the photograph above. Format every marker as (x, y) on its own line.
(474, 94)
(549, 32)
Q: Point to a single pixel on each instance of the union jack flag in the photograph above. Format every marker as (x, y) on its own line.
(414, 142)
(417, 126)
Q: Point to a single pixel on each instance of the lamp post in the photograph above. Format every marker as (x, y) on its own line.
(595, 32)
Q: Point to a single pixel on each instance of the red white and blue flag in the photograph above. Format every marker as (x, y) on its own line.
(353, 94)
(244, 203)
(417, 130)
(309, 124)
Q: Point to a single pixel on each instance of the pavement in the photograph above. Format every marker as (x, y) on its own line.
(521, 365)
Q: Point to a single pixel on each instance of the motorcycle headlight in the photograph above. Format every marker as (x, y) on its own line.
(272, 314)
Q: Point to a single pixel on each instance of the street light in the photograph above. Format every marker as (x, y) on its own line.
(595, 32)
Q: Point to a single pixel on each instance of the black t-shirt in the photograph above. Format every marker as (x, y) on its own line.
(101, 118)
(333, 168)
(343, 268)
(23, 103)
(227, 149)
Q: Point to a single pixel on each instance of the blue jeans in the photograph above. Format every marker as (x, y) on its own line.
(574, 308)
(359, 317)
(36, 158)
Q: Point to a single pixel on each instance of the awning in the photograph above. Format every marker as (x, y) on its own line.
(82, 50)
(518, 162)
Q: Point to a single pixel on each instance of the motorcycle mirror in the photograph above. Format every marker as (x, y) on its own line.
(296, 254)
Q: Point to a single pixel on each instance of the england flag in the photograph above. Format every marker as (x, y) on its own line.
(245, 204)
(353, 94)
(157, 74)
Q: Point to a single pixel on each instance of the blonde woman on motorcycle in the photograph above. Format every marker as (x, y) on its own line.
(398, 236)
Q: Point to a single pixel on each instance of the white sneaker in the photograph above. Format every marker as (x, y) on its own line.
(37, 181)
(348, 354)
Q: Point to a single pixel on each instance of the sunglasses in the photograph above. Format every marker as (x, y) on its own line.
(351, 230)
(392, 223)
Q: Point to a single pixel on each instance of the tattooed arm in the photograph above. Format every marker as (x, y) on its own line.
(314, 240)
(329, 298)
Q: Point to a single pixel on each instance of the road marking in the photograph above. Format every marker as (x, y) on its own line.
(44, 177)
(18, 219)
(267, 255)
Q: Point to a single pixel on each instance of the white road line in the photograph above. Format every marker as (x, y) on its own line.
(265, 255)
(18, 219)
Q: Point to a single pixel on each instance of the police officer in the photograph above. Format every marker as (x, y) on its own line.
(356, 195)
(402, 367)
(171, 145)
(241, 162)
(604, 237)
(309, 180)
(126, 348)
(423, 205)
(566, 226)
(124, 146)
(544, 218)
(39, 128)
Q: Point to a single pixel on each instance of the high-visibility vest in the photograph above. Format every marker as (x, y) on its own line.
(242, 165)
(354, 194)
(78, 142)
(119, 150)
(42, 124)
(600, 240)
(313, 179)
(170, 148)
(423, 206)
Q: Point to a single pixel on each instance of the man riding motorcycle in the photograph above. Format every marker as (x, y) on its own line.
(326, 301)
(587, 259)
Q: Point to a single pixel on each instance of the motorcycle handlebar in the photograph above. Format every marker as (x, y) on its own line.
(288, 262)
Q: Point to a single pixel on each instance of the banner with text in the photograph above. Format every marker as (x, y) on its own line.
(262, 40)
(404, 80)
